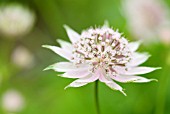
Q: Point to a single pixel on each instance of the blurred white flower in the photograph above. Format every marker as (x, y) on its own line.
(12, 101)
(100, 54)
(22, 57)
(15, 20)
(146, 19)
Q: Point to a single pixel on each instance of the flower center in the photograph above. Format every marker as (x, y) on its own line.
(102, 47)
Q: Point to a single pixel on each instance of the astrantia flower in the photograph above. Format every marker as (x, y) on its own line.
(100, 54)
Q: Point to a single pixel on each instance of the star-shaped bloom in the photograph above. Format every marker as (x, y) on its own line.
(100, 54)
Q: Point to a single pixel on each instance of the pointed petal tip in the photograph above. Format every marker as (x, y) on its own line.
(106, 23)
(58, 40)
(72, 34)
(123, 92)
(60, 75)
(143, 53)
(149, 55)
(48, 68)
(66, 87)
(140, 41)
(63, 76)
(153, 80)
(66, 26)
(157, 68)
(45, 46)
(134, 45)
(45, 69)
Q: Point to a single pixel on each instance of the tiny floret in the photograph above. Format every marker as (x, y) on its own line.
(100, 54)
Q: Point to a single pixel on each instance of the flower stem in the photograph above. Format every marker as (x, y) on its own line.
(97, 97)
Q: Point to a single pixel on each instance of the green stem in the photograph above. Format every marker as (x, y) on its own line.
(97, 97)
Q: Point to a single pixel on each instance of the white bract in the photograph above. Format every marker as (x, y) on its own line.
(100, 54)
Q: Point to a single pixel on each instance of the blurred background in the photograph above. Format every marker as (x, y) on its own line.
(25, 25)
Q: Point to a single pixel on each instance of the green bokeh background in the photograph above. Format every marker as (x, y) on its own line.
(44, 91)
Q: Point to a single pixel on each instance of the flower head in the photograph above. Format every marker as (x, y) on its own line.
(100, 54)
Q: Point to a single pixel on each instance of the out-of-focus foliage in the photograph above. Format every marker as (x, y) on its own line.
(42, 92)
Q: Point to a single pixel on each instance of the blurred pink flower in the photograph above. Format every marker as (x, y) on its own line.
(147, 19)
(164, 33)
(22, 57)
(12, 101)
(100, 54)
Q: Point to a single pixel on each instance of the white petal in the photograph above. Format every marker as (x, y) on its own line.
(137, 70)
(115, 86)
(67, 66)
(76, 74)
(65, 45)
(134, 45)
(138, 58)
(109, 82)
(126, 79)
(74, 36)
(102, 76)
(76, 84)
(83, 81)
(59, 51)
